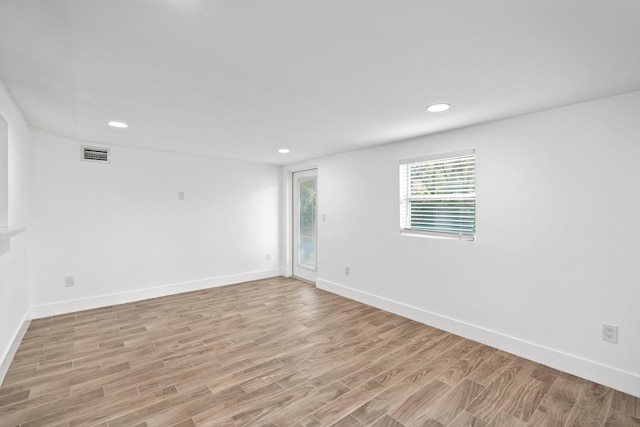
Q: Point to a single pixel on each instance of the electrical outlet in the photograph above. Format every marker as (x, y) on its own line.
(347, 271)
(180, 195)
(268, 257)
(324, 217)
(610, 333)
(69, 281)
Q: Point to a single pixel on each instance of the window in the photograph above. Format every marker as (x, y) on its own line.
(438, 196)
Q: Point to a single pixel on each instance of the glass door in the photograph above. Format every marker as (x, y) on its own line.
(305, 195)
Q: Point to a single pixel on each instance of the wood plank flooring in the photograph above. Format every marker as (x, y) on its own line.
(279, 352)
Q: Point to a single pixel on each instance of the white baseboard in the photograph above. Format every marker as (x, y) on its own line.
(10, 351)
(609, 376)
(285, 272)
(63, 307)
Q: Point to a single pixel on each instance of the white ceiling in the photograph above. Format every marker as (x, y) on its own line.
(240, 79)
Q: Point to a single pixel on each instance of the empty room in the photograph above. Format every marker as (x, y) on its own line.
(319, 213)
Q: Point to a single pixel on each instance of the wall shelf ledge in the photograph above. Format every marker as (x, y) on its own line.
(7, 233)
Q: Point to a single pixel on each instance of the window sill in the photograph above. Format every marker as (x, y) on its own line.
(436, 235)
(7, 233)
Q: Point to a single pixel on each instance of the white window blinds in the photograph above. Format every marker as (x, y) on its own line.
(438, 196)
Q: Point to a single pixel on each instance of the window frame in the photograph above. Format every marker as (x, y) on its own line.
(405, 198)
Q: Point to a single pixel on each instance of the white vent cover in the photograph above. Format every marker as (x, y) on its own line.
(96, 154)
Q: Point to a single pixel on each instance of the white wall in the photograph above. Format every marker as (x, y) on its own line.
(4, 172)
(14, 293)
(557, 241)
(121, 231)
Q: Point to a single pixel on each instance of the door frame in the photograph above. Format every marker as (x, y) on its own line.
(290, 176)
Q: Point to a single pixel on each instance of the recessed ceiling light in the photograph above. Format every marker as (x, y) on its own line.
(436, 108)
(115, 124)
(283, 151)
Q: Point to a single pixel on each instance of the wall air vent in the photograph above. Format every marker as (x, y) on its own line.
(95, 154)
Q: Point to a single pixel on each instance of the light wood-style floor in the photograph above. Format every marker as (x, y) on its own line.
(279, 352)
